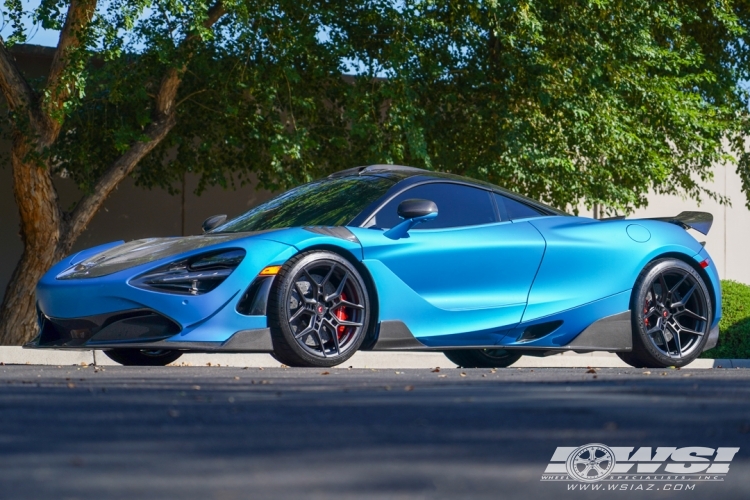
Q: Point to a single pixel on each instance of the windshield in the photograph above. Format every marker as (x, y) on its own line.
(327, 202)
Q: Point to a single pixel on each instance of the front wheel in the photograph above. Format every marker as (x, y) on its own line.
(631, 359)
(143, 357)
(482, 358)
(671, 316)
(319, 310)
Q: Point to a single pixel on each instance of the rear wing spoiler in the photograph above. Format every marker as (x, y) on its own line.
(700, 221)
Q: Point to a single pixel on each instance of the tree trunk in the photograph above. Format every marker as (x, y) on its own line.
(36, 199)
(48, 236)
(18, 319)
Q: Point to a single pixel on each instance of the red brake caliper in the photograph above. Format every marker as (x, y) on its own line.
(342, 316)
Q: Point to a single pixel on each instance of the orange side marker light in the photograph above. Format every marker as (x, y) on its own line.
(270, 271)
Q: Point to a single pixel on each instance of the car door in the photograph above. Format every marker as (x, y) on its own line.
(467, 273)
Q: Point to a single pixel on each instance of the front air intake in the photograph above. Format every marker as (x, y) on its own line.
(137, 325)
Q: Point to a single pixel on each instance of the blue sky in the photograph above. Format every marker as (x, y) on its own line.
(49, 38)
(41, 37)
(36, 35)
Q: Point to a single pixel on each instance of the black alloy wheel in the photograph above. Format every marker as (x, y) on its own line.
(143, 357)
(671, 315)
(318, 310)
(483, 358)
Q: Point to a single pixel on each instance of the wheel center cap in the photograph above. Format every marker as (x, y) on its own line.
(320, 309)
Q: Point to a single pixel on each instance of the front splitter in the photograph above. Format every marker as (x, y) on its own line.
(250, 341)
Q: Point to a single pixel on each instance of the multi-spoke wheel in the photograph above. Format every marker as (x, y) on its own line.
(143, 357)
(483, 358)
(318, 310)
(671, 313)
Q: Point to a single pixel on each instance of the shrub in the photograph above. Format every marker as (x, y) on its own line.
(734, 337)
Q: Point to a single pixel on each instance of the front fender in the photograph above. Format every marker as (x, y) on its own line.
(306, 238)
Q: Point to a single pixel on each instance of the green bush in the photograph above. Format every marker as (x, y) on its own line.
(734, 337)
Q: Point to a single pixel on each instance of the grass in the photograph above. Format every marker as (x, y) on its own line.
(734, 337)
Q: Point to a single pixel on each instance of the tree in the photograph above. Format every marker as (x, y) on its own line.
(569, 101)
(578, 101)
(156, 87)
(37, 116)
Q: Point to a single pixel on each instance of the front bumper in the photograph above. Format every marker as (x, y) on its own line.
(136, 325)
(107, 311)
(137, 329)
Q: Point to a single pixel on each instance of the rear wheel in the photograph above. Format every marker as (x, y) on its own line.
(143, 357)
(318, 310)
(482, 358)
(671, 316)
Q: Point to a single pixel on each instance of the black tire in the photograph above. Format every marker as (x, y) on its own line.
(143, 357)
(318, 310)
(671, 315)
(631, 359)
(483, 358)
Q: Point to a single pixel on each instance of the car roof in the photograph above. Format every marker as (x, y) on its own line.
(413, 175)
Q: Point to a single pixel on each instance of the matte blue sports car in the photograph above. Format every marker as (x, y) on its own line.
(393, 258)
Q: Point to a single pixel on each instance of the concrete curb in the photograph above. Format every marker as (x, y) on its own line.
(11, 355)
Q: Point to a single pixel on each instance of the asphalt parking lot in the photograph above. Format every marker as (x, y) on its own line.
(234, 433)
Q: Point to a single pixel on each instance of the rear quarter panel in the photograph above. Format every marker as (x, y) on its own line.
(587, 260)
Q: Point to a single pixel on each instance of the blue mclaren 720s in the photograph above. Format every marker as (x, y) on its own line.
(393, 258)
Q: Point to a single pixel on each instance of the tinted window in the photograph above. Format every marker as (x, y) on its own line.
(511, 209)
(458, 205)
(327, 202)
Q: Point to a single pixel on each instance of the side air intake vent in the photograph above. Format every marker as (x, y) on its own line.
(255, 299)
(538, 331)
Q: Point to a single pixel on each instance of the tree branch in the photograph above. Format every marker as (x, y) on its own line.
(164, 119)
(165, 99)
(116, 173)
(78, 17)
(214, 14)
(15, 88)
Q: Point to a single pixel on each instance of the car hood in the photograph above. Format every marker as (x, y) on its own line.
(138, 252)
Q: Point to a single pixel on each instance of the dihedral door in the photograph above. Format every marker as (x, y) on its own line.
(463, 278)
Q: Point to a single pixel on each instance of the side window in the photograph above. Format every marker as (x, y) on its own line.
(511, 209)
(458, 205)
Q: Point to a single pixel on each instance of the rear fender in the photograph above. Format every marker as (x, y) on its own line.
(587, 260)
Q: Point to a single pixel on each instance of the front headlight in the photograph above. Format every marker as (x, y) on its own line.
(192, 276)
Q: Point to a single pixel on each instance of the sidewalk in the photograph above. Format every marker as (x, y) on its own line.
(362, 359)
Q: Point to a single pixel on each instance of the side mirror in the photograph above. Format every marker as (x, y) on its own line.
(413, 212)
(417, 209)
(213, 222)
